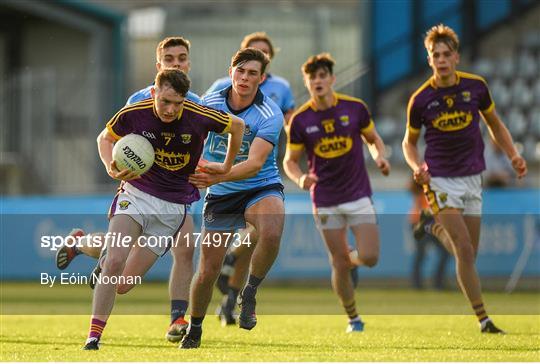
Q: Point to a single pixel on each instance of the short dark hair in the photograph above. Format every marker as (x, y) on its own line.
(171, 42)
(250, 54)
(321, 60)
(441, 34)
(258, 37)
(175, 78)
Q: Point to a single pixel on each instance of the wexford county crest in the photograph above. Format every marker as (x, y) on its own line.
(443, 197)
(186, 138)
(123, 204)
(344, 120)
(170, 160)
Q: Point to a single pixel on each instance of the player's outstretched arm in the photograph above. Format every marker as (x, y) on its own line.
(291, 165)
(376, 149)
(258, 153)
(105, 141)
(500, 134)
(410, 151)
(235, 142)
(236, 132)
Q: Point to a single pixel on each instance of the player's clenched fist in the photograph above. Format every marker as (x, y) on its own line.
(421, 175)
(520, 166)
(383, 165)
(306, 181)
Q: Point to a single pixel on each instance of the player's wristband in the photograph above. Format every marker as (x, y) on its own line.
(301, 179)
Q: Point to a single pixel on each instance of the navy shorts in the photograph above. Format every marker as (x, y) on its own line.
(226, 212)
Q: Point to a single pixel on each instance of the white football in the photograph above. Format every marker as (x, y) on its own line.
(133, 152)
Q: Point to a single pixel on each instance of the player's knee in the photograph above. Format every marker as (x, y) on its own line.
(113, 265)
(209, 272)
(123, 288)
(183, 256)
(465, 252)
(271, 239)
(369, 260)
(340, 263)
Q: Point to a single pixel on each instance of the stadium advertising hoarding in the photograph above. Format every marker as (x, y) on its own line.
(510, 230)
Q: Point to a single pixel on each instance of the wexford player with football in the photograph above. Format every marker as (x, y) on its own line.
(449, 105)
(331, 128)
(251, 192)
(171, 52)
(154, 204)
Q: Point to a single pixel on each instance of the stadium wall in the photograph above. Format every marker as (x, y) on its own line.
(510, 232)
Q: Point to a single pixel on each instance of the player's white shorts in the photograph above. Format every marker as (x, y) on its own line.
(346, 214)
(463, 193)
(160, 220)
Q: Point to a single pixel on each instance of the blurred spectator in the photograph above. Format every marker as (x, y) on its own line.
(499, 172)
(419, 217)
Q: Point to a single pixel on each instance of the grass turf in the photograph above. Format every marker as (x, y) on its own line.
(395, 329)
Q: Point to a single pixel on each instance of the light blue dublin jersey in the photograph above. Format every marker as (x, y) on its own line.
(263, 119)
(275, 87)
(145, 94)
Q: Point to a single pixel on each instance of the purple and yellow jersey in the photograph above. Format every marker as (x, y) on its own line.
(333, 142)
(451, 116)
(178, 145)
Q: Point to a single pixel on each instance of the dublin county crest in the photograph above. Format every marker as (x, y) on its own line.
(209, 217)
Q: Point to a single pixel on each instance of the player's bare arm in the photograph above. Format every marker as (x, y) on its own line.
(235, 142)
(258, 153)
(410, 151)
(105, 141)
(500, 134)
(291, 165)
(377, 150)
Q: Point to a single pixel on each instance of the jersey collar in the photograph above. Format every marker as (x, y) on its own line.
(258, 100)
(434, 85)
(334, 104)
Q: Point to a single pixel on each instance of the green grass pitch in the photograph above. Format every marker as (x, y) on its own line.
(295, 324)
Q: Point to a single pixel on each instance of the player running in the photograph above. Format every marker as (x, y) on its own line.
(251, 191)
(449, 106)
(171, 52)
(154, 204)
(236, 264)
(331, 129)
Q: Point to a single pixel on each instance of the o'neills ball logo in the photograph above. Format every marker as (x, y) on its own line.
(333, 147)
(170, 160)
(452, 121)
(129, 154)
